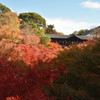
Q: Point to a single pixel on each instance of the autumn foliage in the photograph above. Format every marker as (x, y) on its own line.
(25, 64)
(30, 70)
(20, 73)
(82, 64)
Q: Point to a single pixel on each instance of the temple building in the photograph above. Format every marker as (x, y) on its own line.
(67, 40)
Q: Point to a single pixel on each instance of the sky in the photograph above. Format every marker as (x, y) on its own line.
(66, 15)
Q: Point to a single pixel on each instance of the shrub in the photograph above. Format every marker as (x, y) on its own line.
(83, 71)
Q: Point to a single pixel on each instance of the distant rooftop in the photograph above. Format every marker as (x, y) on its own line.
(56, 36)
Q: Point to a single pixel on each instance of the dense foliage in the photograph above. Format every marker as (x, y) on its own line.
(30, 70)
(14, 83)
(35, 24)
(82, 81)
(4, 9)
(33, 19)
(82, 32)
(30, 73)
(25, 69)
(9, 27)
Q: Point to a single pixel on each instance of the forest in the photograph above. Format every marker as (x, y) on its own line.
(33, 68)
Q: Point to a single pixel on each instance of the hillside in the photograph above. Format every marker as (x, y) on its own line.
(94, 31)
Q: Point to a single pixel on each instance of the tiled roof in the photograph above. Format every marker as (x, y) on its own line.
(84, 37)
(56, 36)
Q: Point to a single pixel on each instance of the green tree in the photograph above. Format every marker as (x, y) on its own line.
(35, 24)
(50, 29)
(44, 40)
(3, 8)
(33, 19)
(81, 32)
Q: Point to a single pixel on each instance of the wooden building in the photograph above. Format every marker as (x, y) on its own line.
(67, 40)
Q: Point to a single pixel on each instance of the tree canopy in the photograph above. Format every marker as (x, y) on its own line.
(3, 8)
(50, 29)
(9, 27)
(81, 32)
(35, 24)
(33, 19)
